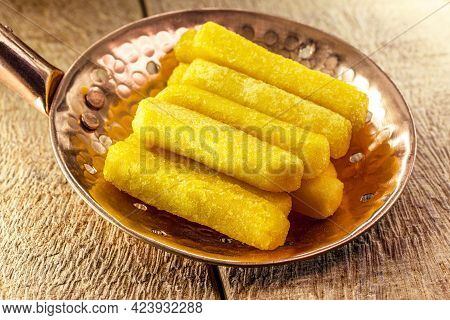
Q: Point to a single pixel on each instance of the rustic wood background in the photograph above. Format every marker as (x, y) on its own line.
(53, 246)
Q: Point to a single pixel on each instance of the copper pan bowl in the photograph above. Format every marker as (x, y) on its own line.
(94, 102)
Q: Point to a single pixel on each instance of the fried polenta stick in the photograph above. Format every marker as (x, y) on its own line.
(217, 145)
(281, 200)
(312, 148)
(319, 198)
(200, 197)
(270, 100)
(219, 45)
(184, 45)
(177, 74)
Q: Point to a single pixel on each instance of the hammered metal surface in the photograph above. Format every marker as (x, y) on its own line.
(136, 61)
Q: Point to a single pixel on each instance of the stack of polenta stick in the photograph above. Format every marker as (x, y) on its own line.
(238, 137)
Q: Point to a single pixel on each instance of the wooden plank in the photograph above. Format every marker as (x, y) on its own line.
(406, 256)
(51, 244)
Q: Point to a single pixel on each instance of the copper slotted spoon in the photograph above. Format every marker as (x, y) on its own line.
(92, 105)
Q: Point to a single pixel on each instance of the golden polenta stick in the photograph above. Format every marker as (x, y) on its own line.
(217, 145)
(203, 198)
(183, 52)
(177, 74)
(281, 200)
(270, 100)
(319, 198)
(312, 148)
(217, 44)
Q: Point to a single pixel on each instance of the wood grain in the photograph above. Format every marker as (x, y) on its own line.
(51, 244)
(406, 255)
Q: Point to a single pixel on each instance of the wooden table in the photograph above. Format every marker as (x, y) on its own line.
(53, 246)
